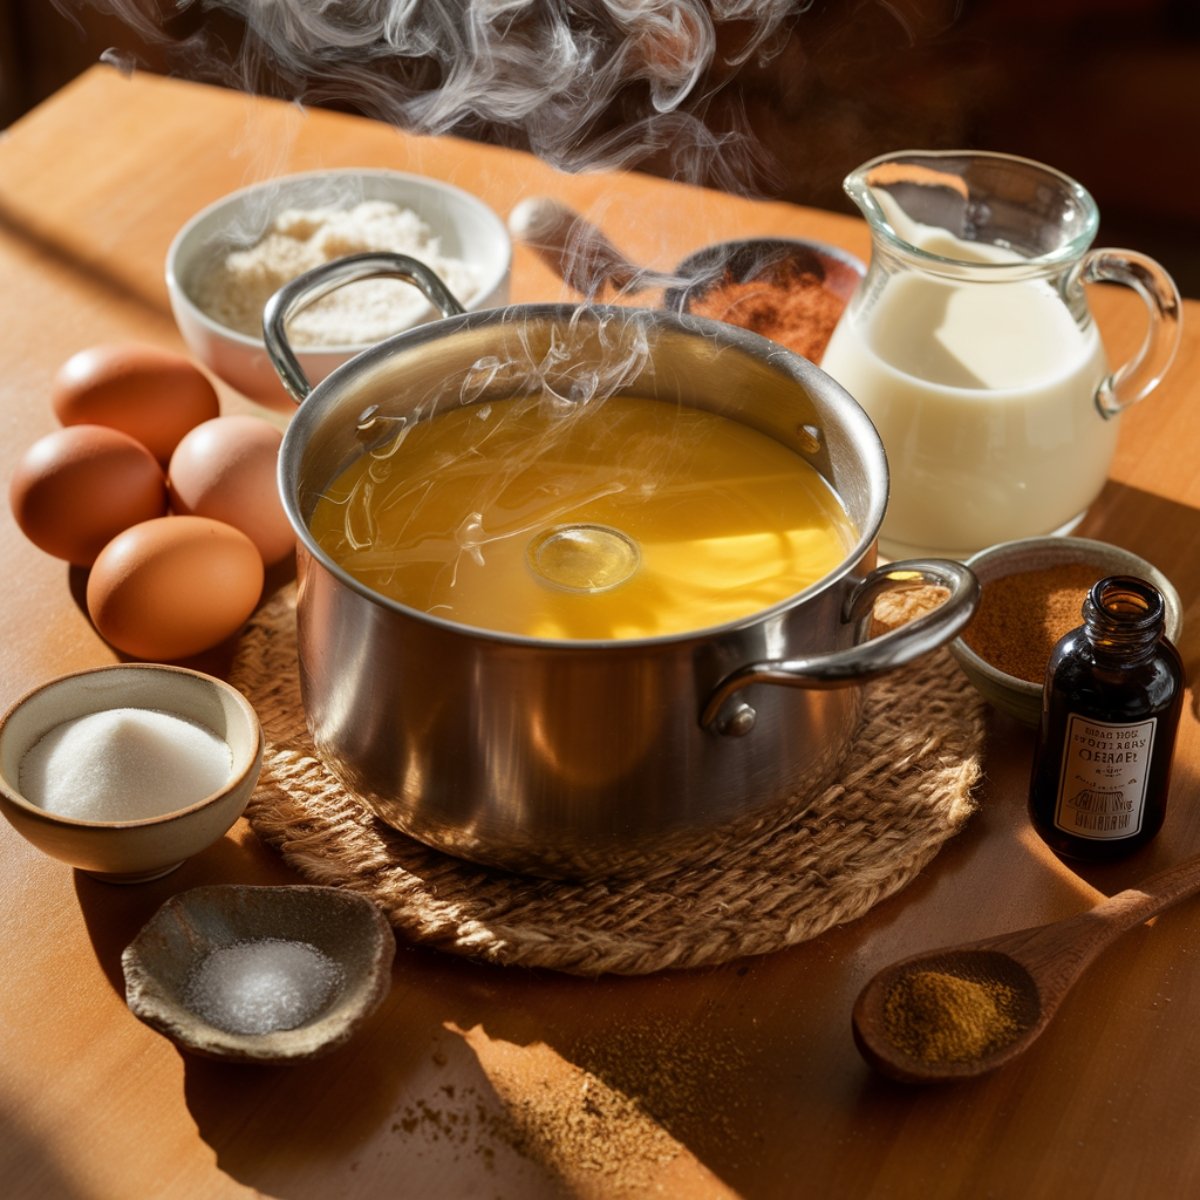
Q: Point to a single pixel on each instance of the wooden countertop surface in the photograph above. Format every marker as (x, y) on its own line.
(767, 1095)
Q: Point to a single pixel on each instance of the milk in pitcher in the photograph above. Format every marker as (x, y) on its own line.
(988, 437)
(970, 344)
(984, 397)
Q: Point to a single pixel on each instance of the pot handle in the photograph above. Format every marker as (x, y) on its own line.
(308, 288)
(864, 660)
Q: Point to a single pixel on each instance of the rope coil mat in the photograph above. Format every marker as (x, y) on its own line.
(904, 788)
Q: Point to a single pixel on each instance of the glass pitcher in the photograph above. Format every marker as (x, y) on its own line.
(970, 345)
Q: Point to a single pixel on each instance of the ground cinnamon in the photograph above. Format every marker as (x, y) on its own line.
(790, 306)
(1022, 616)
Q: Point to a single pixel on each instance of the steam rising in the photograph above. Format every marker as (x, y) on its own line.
(581, 83)
(593, 355)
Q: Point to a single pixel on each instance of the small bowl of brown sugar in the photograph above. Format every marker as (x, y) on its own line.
(790, 290)
(1032, 594)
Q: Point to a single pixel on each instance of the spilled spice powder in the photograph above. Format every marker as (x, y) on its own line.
(610, 1120)
(1021, 617)
(584, 1126)
(789, 305)
(941, 1018)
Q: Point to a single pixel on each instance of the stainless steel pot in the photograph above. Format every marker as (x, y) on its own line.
(573, 757)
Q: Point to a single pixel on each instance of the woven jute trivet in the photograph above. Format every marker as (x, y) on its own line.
(904, 788)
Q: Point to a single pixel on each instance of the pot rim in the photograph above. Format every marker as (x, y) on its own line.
(311, 411)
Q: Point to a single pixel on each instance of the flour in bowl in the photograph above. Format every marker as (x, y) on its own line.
(235, 291)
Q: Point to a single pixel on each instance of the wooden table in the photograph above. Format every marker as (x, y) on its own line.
(760, 1089)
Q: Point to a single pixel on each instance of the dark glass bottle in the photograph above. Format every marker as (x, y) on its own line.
(1110, 711)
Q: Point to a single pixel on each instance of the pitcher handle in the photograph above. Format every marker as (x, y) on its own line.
(1141, 374)
(308, 288)
(864, 660)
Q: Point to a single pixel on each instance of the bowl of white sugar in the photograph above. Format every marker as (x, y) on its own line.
(126, 771)
(230, 258)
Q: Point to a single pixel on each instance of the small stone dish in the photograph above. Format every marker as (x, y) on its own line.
(1019, 698)
(137, 848)
(260, 974)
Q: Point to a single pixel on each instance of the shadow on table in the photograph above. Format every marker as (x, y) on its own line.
(404, 1109)
(23, 1145)
(89, 266)
(1167, 534)
(1136, 982)
(405, 1081)
(483, 1080)
(476, 1079)
(470, 1079)
(114, 913)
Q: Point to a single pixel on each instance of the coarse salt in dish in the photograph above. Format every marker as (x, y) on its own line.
(262, 985)
(260, 974)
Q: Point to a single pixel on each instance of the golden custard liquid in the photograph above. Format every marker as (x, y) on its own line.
(621, 518)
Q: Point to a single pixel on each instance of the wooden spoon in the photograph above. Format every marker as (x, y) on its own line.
(577, 250)
(1028, 972)
(587, 261)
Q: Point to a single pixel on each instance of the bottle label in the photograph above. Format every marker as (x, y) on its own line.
(1102, 786)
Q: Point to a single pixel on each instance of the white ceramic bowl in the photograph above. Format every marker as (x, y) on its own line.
(466, 228)
(131, 851)
(1018, 697)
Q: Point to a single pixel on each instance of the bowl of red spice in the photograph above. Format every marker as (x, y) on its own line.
(790, 290)
(1031, 595)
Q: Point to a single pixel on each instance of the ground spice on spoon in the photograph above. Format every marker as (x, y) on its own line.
(941, 1018)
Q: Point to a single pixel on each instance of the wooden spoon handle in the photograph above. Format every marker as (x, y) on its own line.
(1059, 952)
(576, 249)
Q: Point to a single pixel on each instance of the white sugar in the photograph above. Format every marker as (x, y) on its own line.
(124, 764)
(262, 986)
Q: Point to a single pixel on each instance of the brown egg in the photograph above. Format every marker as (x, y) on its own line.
(151, 394)
(172, 587)
(75, 489)
(225, 469)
